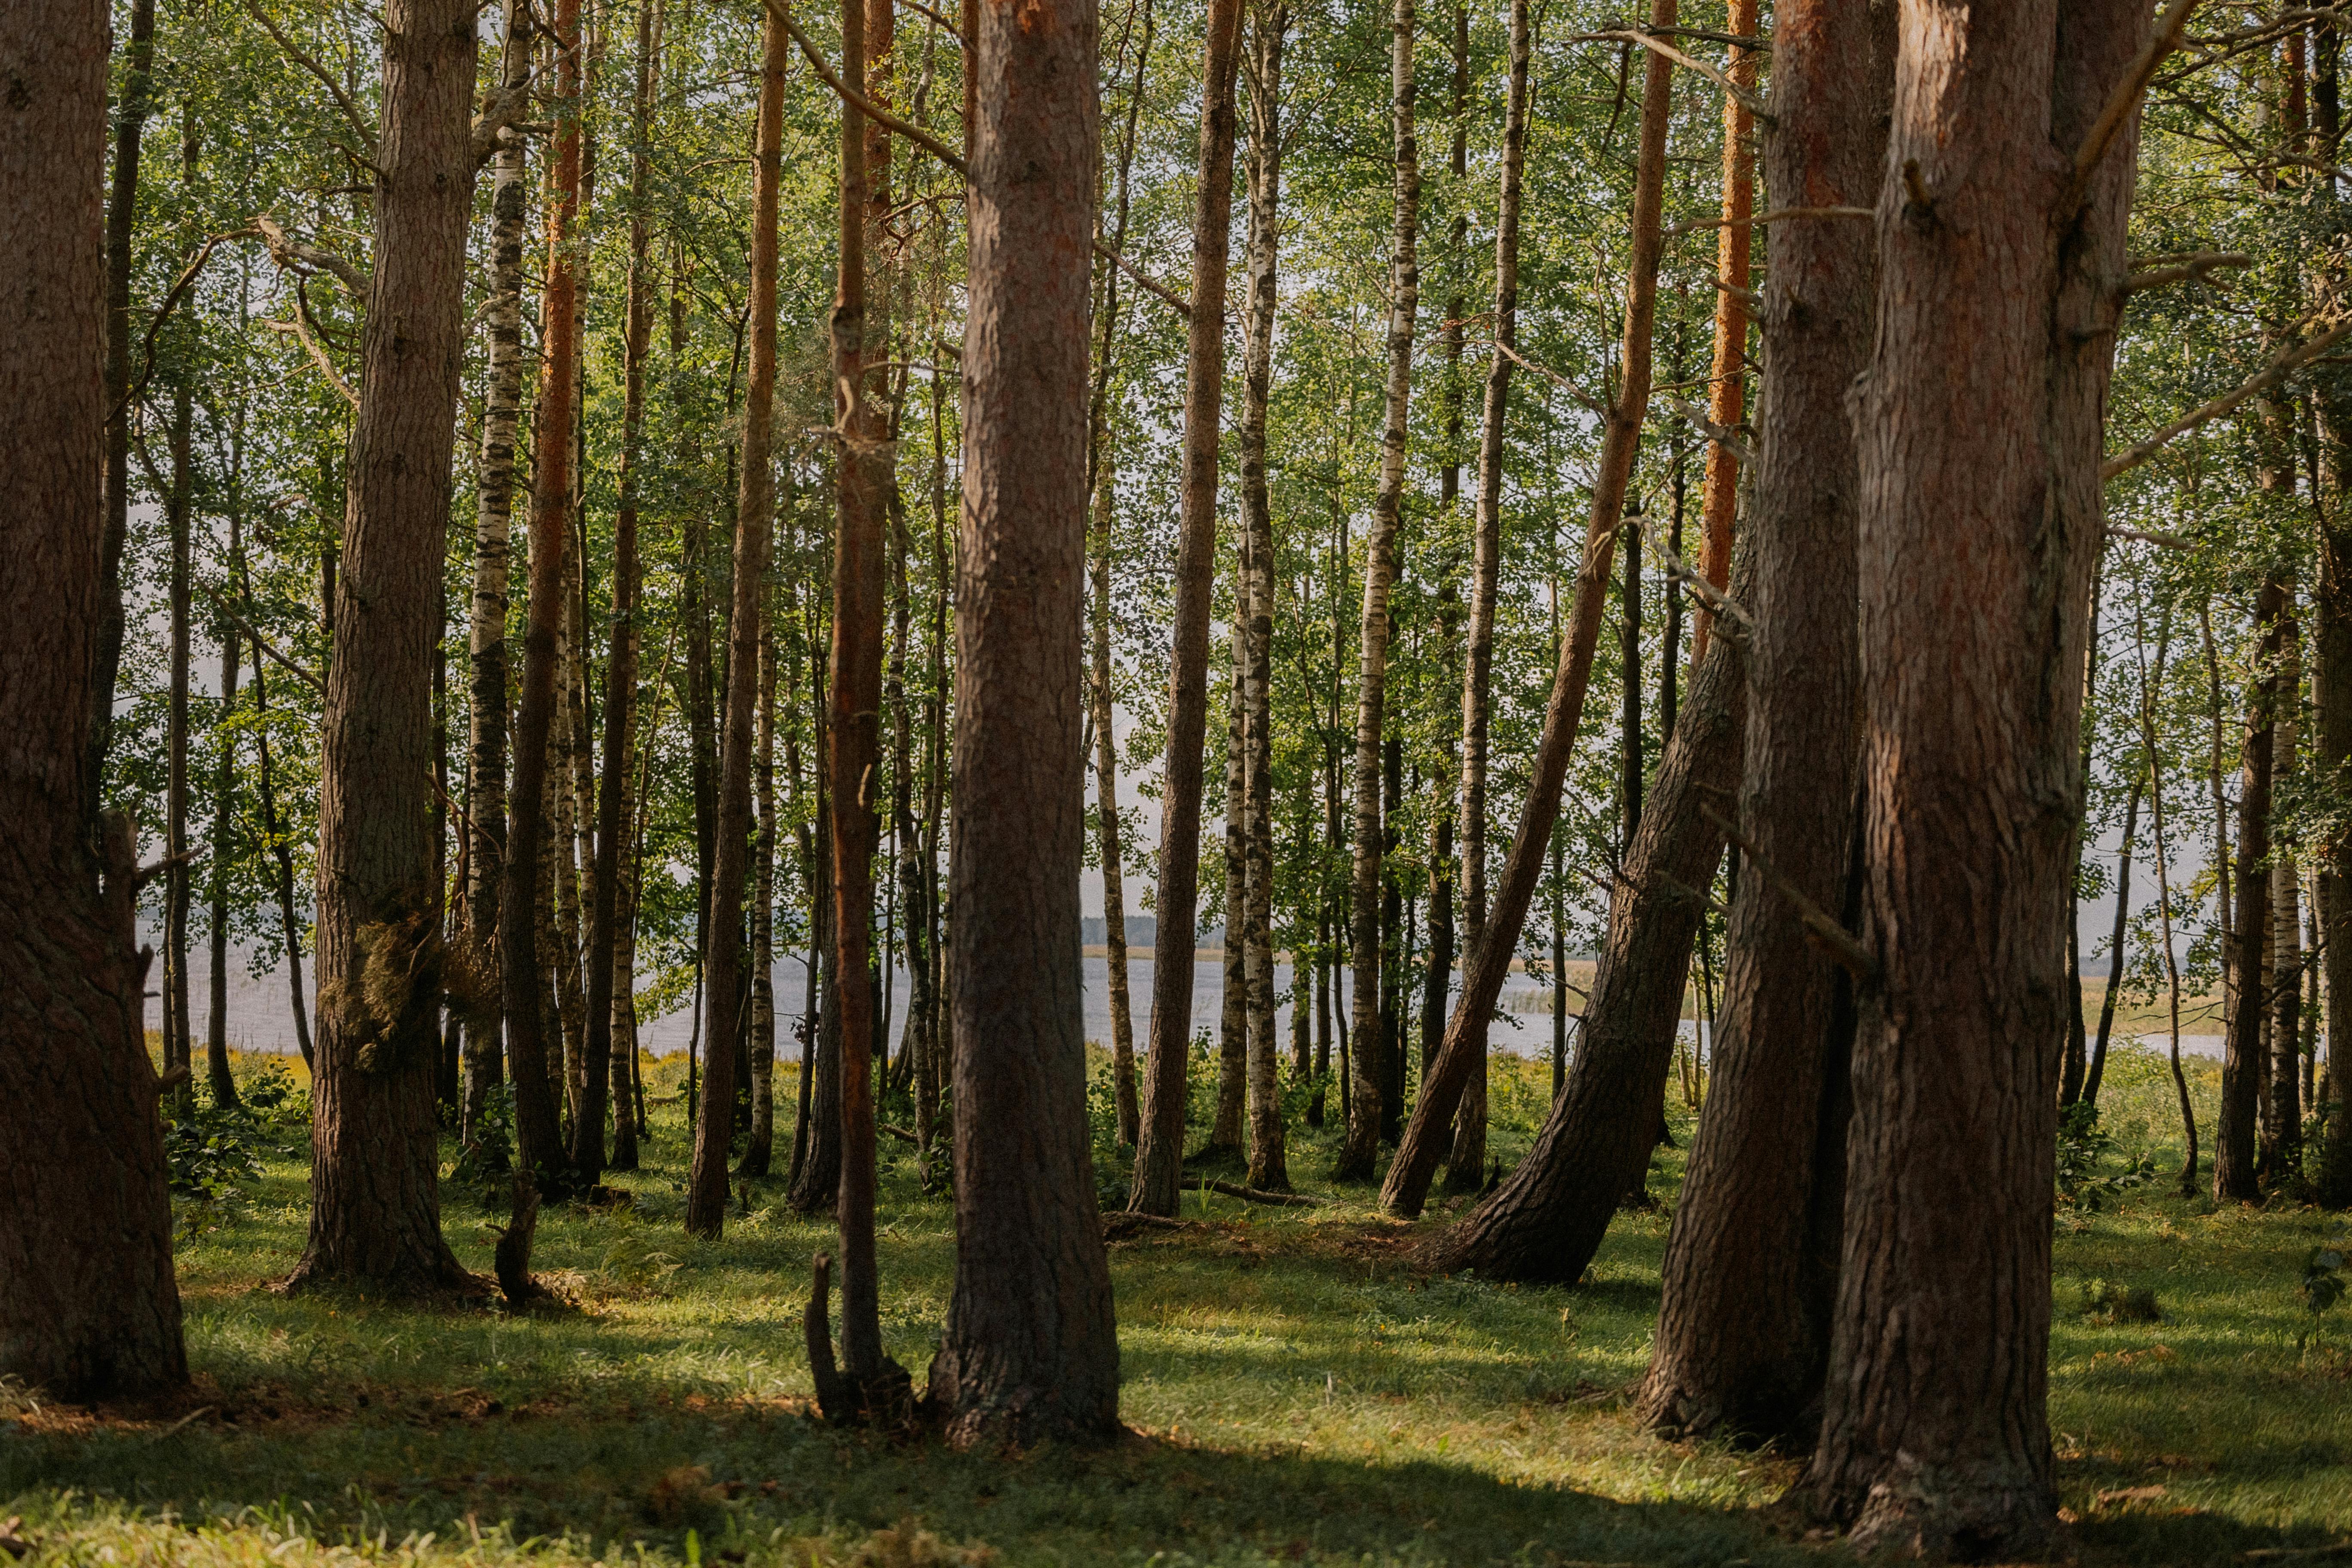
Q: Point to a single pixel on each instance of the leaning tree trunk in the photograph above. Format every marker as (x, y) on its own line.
(1547, 1219)
(375, 1206)
(1735, 245)
(1980, 421)
(725, 996)
(87, 1302)
(1428, 1134)
(1268, 1168)
(1743, 1322)
(1160, 1139)
(1360, 1145)
(522, 899)
(2235, 1136)
(1029, 1351)
(486, 770)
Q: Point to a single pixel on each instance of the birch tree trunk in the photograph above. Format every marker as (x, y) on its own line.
(88, 1304)
(1233, 1032)
(375, 1168)
(1029, 1351)
(1159, 1143)
(1429, 1132)
(1361, 1144)
(1268, 1166)
(1751, 1262)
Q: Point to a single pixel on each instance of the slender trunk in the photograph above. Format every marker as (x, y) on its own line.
(2331, 693)
(759, 1147)
(1726, 398)
(179, 1034)
(1369, 1106)
(1629, 658)
(122, 225)
(524, 899)
(1233, 1032)
(2282, 1153)
(2095, 1069)
(218, 846)
(2244, 1070)
(816, 1144)
(281, 846)
(1268, 1165)
(1029, 1351)
(375, 1208)
(1743, 1325)
(1482, 985)
(1980, 425)
(1159, 1142)
(724, 995)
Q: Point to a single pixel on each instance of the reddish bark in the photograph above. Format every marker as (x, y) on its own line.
(87, 1302)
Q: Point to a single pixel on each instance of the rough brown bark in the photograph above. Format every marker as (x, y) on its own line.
(1981, 426)
(2332, 690)
(375, 1206)
(1743, 1322)
(1427, 1135)
(1547, 1219)
(1726, 398)
(1159, 1140)
(2235, 1134)
(526, 893)
(1029, 1351)
(1368, 1101)
(179, 1035)
(87, 1302)
(2282, 1151)
(759, 1144)
(725, 996)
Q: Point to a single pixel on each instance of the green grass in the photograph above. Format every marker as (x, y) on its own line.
(1301, 1392)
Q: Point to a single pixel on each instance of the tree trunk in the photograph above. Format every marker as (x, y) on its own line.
(375, 1207)
(280, 843)
(122, 224)
(179, 1034)
(486, 770)
(1233, 1032)
(2095, 1066)
(1547, 1219)
(1366, 1108)
(759, 1147)
(2282, 1153)
(2332, 692)
(1029, 1351)
(1743, 1320)
(89, 1306)
(2244, 1070)
(1427, 1135)
(1159, 1143)
(1726, 398)
(218, 847)
(1980, 429)
(1269, 1168)
(524, 899)
(725, 997)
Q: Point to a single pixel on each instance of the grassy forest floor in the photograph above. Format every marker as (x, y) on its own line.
(1299, 1390)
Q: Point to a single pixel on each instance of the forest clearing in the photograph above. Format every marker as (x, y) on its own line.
(1299, 1390)
(1692, 660)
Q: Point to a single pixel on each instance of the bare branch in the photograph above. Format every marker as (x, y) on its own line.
(1727, 440)
(1779, 215)
(301, 327)
(1833, 938)
(2170, 541)
(298, 256)
(1750, 300)
(1173, 300)
(307, 676)
(1508, 352)
(2161, 271)
(2278, 370)
(1746, 98)
(351, 116)
(955, 29)
(2123, 102)
(503, 108)
(163, 311)
(1732, 615)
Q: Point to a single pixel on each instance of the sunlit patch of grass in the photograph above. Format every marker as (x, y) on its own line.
(1302, 1391)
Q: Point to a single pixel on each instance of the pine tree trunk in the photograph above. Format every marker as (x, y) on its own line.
(1727, 402)
(1546, 1221)
(375, 1207)
(1029, 1351)
(1370, 1106)
(1427, 1135)
(1744, 1319)
(724, 994)
(1159, 1143)
(89, 1306)
(532, 841)
(760, 1146)
(1979, 420)
(1268, 1165)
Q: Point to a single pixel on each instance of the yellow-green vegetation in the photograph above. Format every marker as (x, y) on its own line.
(1299, 1390)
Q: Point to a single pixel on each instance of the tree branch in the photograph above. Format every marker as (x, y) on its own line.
(308, 677)
(1833, 938)
(359, 126)
(1779, 215)
(297, 255)
(163, 311)
(2278, 370)
(300, 327)
(2171, 269)
(1726, 438)
(2120, 104)
(1508, 352)
(1746, 98)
